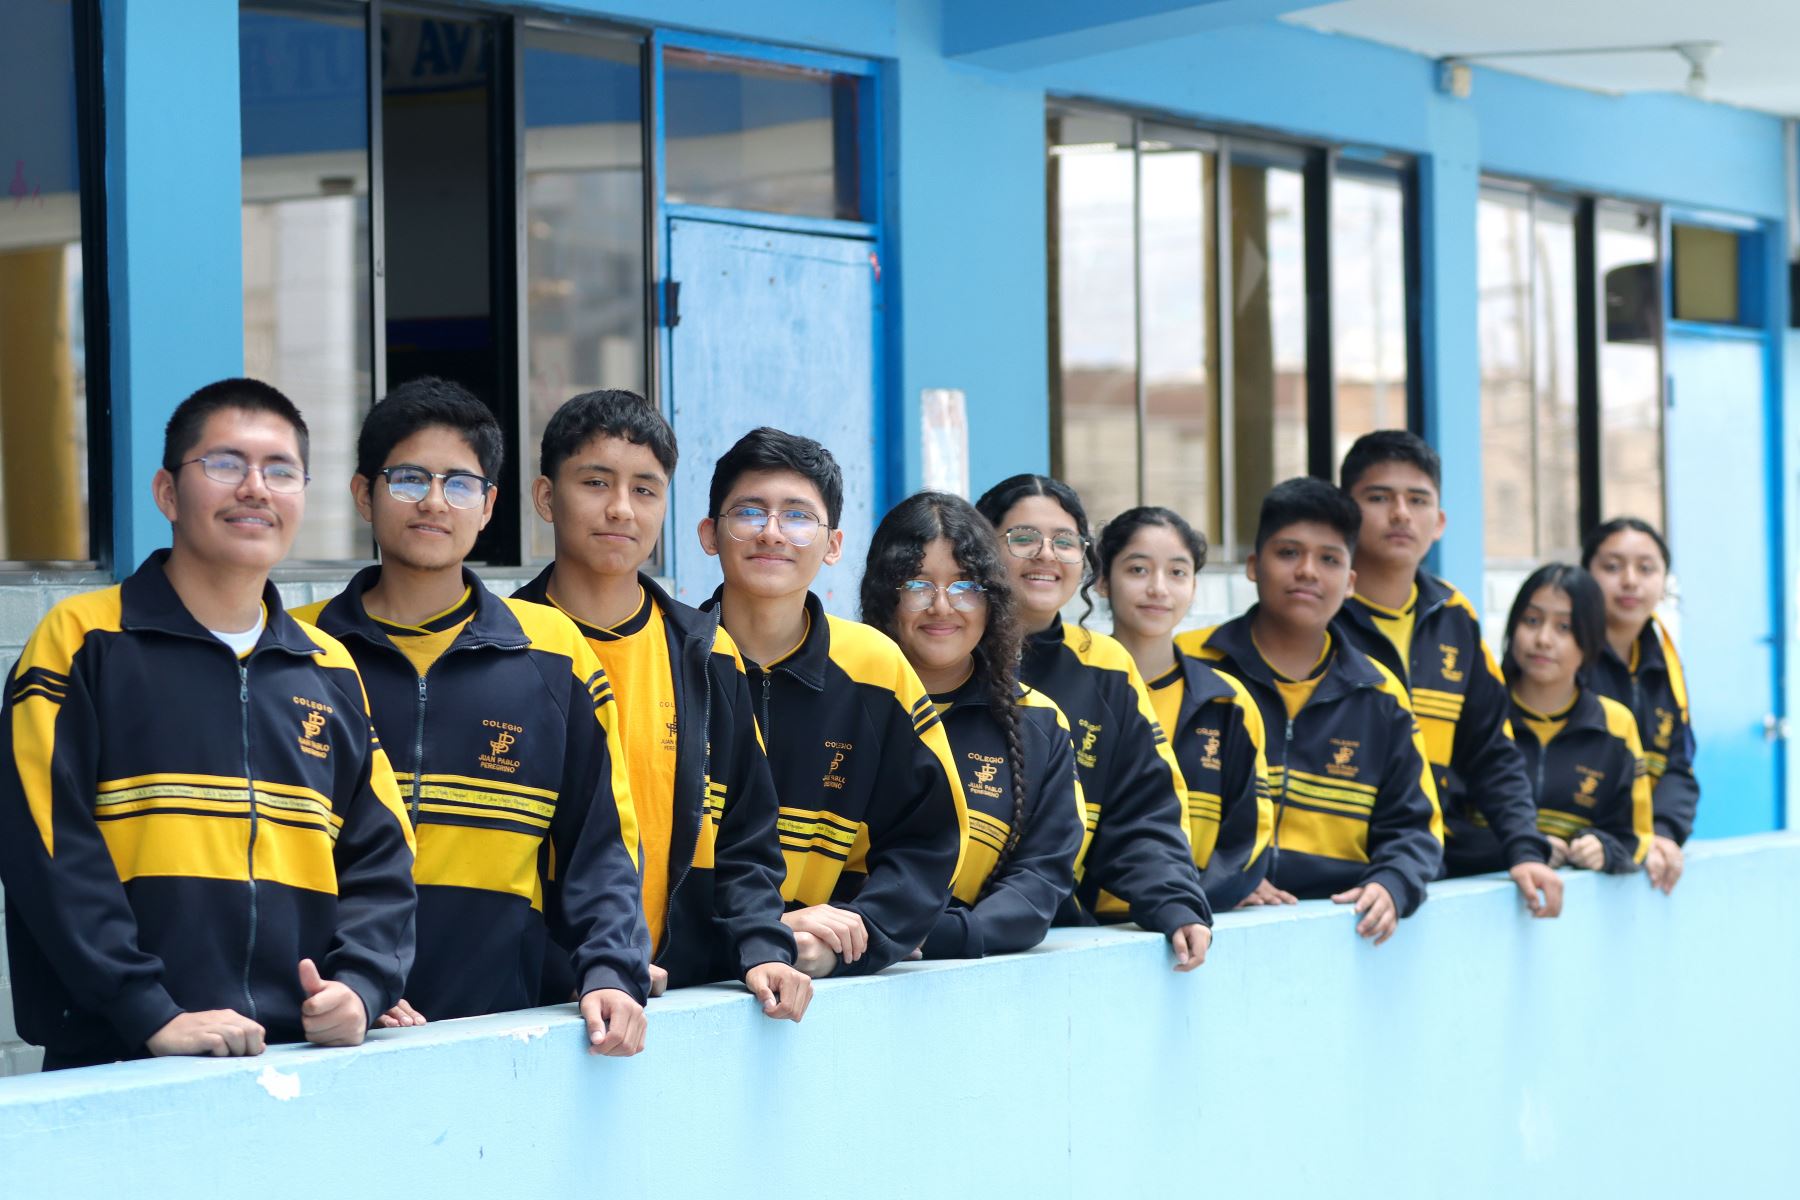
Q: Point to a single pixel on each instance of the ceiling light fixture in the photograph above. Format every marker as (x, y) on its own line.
(1454, 76)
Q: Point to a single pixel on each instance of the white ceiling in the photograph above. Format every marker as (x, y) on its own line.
(1756, 66)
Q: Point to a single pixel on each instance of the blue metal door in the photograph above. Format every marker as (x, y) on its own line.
(774, 328)
(1724, 541)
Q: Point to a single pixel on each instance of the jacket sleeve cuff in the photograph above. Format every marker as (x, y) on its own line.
(1664, 827)
(141, 1010)
(954, 935)
(372, 995)
(765, 946)
(1167, 918)
(1528, 849)
(1407, 895)
(601, 977)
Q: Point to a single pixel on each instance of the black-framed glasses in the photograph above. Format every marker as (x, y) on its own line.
(462, 489)
(746, 522)
(1023, 541)
(918, 595)
(283, 477)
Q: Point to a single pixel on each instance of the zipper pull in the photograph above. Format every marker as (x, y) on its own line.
(243, 682)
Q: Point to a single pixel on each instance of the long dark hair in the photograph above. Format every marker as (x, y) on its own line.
(1116, 534)
(999, 499)
(1590, 545)
(1587, 612)
(895, 553)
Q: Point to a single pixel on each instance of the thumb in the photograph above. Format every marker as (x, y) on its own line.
(766, 994)
(1347, 897)
(310, 981)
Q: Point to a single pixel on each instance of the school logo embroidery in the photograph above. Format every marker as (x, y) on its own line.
(1450, 671)
(1665, 728)
(670, 726)
(312, 724)
(1341, 764)
(502, 738)
(1209, 748)
(981, 783)
(1084, 753)
(834, 778)
(1587, 793)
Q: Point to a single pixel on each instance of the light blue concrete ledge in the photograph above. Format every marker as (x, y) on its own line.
(1640, 1046)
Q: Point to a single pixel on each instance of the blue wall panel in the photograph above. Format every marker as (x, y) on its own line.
(1478, 1054)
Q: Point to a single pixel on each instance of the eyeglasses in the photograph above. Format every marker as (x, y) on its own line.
(284, 478)
(746, 522)
(462, 489)
(918, 595)
(1022, 541)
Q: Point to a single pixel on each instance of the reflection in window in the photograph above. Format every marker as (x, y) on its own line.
(1094, 334)
(759, 136)
(303, 78)
(1368, 294)
(1554, 341)
(1631, 403)
(43, 354)
(584, 197)
(1268, 283)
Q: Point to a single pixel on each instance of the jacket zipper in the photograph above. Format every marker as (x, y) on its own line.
(243, 667)
(419, 752)
(1287, 750)
(705, 797)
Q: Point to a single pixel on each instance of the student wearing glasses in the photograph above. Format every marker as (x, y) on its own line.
(503, 729)
(200, 838)
(935, 583)
(872, 822)
(1138, 864)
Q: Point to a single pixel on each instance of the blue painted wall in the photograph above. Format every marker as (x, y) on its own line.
(1478, 1053)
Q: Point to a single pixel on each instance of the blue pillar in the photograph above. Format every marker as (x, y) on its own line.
(174, 248)
(1449, 189)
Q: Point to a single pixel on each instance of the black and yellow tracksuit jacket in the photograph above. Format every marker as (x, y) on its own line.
(1002, 913)
(179, 826)
(1138, 863)
(872, 816)
(504, 754)
(1654, 687)
(1219, 743)
(1590, 776)
(1355, 802)
(1459, 698)
(725, 862)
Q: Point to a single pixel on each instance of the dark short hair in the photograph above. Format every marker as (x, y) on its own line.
(766, 449)
(1590, 545)
(1587, 611)
(612, 412)
(1390, 445)
(998, 500)
(249, 395)
(423, 403)
(1116, 534)
(1308, 500)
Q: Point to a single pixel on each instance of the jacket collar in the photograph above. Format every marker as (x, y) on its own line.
(806, 664)
(1347, 669)
(148, 601)
(1434, 593)
(1201, 683)
(1586, 713)
(972, 693)
(492, 625)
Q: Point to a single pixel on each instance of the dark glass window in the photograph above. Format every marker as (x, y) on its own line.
(1631, 392)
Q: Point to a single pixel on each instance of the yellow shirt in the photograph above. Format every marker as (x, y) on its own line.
(635, 653)
(425, 643)
(1396, 625)
(1296, 692)
(1166, 693)
(1545, 726)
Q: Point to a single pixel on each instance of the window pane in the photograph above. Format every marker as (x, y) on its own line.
(1631, 401)
(43, 351)
(1177, 259)
(758, 136)
(1504, 273)
(1706, 274)
(1095, 335)
(584, 197)
(303, 72)
(1268, 282)
(1368, 299)
(1556, 436)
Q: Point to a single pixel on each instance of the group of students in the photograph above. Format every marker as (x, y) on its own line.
(224, 824)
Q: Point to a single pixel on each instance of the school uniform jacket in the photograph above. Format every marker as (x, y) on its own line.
(179, 827)
(1459, 699)
(1219, 743)
(504, 750)
(872, 816)
(1657, 696)
(1138, 848)
(726, 869)
(1355, 802)
(1592, 778)
(1001, 913)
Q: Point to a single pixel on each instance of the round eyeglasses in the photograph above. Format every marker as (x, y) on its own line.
(1022, 541)
(462, 489)
(281, 477)
(746, 522)
(918, 595)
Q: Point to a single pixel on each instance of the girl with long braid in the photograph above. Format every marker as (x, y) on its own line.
(1138, 863)
(935, 584)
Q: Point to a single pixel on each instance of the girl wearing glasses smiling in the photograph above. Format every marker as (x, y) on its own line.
(1138, 864)
(935, 584)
